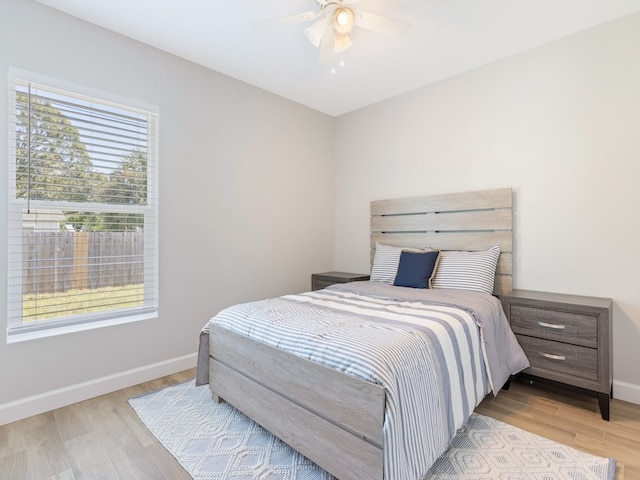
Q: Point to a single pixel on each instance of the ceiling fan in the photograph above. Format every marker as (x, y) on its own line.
(333, 23)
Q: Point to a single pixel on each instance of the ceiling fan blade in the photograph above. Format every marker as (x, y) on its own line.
(327, 45)
(380, 24)
(277, 22)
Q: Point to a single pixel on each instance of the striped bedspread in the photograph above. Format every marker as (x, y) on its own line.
(430, 355)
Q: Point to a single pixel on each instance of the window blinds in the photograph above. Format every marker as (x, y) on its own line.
(82, 209)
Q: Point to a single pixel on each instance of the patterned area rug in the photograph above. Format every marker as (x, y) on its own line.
(217, 442)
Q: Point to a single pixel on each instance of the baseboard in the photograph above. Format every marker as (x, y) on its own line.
(626, 391)
(44, 402)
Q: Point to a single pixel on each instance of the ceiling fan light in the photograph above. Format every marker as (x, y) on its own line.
(343, 19)
(315, 31)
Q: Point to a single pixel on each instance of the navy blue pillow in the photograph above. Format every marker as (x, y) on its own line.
(416, 269)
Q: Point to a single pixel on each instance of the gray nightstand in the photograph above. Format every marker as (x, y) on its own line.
(323, 280)
(567, 339)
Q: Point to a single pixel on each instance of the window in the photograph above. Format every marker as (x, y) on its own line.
(82, 219)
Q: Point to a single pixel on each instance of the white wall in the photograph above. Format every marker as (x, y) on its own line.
(560, 124)
(243, 203)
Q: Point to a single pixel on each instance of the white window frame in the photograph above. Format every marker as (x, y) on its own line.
(17, 330)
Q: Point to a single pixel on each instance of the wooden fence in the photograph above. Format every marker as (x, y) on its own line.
(61, 261)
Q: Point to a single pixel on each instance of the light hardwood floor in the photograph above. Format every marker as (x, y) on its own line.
(102, 438)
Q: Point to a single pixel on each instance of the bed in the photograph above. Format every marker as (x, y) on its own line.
(371, 380)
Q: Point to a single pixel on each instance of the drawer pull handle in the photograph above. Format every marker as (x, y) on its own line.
(551, 325)
(552, 356)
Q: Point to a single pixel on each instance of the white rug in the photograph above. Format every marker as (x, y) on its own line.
(217, 442)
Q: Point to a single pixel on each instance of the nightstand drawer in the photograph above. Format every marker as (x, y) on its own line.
(560, 358)
(575, 328)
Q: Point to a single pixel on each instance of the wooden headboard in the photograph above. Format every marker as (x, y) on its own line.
(457, 221)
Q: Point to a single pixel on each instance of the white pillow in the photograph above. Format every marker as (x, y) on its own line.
(467, 270)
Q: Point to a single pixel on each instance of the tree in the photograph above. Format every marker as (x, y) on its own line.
(52, 162)
(126, 184)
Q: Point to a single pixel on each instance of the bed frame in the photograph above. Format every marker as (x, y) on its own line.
(330, 417)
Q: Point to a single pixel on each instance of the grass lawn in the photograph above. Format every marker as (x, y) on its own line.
(73, 302)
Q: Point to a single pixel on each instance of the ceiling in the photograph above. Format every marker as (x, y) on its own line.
(447, 37)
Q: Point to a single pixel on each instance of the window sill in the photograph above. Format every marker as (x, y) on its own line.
(80, 327)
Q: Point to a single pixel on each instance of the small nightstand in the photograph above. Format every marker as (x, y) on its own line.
(567, 339)
(323, 280)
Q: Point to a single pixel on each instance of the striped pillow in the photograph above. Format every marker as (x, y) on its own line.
(467, 270)
(385, 263)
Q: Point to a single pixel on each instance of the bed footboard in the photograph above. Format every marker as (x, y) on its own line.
(332, 418)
